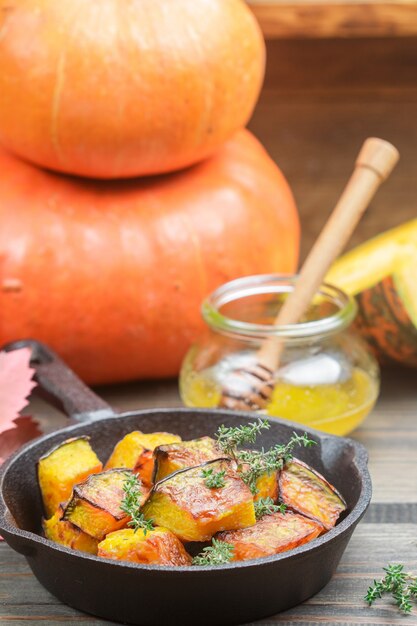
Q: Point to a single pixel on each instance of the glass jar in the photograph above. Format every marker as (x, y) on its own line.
(326, 378)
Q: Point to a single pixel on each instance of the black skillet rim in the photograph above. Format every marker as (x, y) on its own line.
(360, 460)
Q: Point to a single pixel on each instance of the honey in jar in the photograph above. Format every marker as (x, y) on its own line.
(326, 379)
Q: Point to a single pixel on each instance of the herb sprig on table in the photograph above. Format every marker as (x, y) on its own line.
(400, 584)
(130, 504)
(254, 463)
(218, 553)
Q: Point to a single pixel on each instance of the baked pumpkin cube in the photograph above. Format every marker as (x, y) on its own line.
(272, 534)
(267, 486)
(158, 547)
(173, 457)
(184, 504)
(62, 467)
(135, 452)
(307, 492)
(95, 504)
(61, 531)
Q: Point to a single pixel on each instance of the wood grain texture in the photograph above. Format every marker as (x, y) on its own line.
(335, 18)
(338, 70)
(321, 100)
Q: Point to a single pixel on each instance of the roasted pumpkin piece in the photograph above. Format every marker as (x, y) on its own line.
(159, 547)
(95, 504)
(173, 457)
(267, 486)
(64, 466)
(306, 491)
(144, 467)
(135, 452)
(274, 533)
(61, 531)
(184, 504)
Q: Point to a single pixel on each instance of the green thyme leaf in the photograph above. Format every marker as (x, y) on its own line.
(266, 506)
(130, 504)
(218, 553)
(284, 451)
(401, 585)
(214, 480)
(229, 438)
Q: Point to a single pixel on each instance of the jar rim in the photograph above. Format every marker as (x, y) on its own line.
(275, 283)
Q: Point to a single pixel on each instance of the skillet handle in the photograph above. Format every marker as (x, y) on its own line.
(60, 386)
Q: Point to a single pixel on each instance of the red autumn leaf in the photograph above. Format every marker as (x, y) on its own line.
(15, 385)
(25, 429)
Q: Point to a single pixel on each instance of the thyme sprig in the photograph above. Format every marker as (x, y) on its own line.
(400, 584)
(132, 488)
(285, 450)
(218, 553)
(252, 464)
(255, 463)
(266, 506)
(229, 438)
(214, 480)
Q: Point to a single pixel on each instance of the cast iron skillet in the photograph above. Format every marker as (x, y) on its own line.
(140, 594)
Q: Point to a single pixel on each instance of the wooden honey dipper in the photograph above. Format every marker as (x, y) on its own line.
(376, 160)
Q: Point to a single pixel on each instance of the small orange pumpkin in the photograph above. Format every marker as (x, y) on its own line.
(112, 274)
(122, 88)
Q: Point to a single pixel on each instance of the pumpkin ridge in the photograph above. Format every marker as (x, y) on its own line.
(59, 85)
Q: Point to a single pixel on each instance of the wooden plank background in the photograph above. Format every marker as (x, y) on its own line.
(335, 18)
(321, 99)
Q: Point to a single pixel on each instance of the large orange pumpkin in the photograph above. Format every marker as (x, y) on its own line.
(112, 274)
(121, 88)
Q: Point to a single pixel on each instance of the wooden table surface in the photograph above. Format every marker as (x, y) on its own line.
(387, 534)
